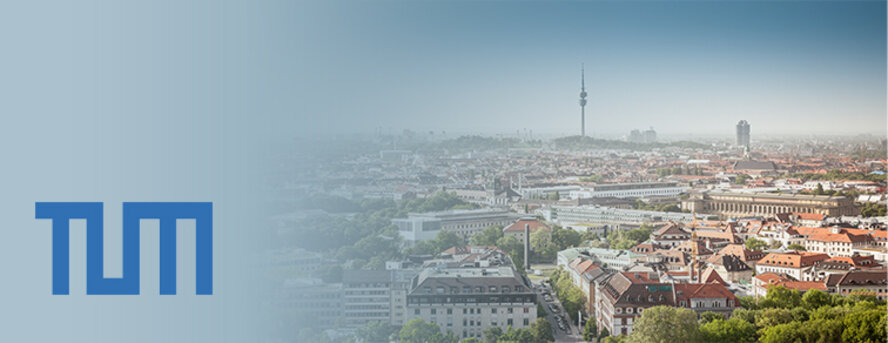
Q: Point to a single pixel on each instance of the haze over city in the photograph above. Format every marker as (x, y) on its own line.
(681, 68)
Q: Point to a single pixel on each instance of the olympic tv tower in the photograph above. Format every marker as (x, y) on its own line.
(582, 100)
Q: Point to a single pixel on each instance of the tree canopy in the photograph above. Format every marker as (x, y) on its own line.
(665, 324)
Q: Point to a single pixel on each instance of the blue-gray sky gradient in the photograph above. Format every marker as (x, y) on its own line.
(682, 67)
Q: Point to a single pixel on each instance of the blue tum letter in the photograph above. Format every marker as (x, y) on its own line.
(167, 213)
(96, 283)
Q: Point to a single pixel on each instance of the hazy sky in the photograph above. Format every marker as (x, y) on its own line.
(496, 67)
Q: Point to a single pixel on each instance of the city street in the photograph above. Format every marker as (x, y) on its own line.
(570, 332)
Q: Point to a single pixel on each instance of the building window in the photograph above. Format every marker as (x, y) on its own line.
(526, 321)
(493, 310)
(449, 311)
(434, 311)
(416, 311)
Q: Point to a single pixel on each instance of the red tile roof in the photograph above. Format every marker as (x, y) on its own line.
(792, 259)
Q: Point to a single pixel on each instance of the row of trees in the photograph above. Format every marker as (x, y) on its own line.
(544, 244)
(420, 331)
(756, 244)
(623, 239)
(871, 209)
(782, 316)
(571, 297)
(368, 238)
(641, 205)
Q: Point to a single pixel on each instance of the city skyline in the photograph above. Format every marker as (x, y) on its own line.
(791, 67)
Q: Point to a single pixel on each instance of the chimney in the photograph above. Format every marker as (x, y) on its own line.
(526, 246)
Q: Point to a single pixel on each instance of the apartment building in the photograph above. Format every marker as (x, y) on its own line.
(794, 264)
(625, 296)
(366, 296)
(837, 242)
(869, 282)
(465, 301)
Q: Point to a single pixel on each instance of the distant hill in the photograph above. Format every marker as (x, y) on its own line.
(585, 142)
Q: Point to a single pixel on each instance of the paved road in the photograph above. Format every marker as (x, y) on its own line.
(571, 334)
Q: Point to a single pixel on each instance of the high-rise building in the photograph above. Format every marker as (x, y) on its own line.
(583, 101)
(743, 133)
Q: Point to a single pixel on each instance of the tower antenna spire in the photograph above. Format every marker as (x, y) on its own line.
(583, 99)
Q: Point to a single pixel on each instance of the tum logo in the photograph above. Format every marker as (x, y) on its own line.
(166, 212)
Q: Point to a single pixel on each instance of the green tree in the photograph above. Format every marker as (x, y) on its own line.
(624, 244)
(446, 240)
(822, 331)
(871, 209)
(604, 333)
(565, 238)
(814, 299)
(827, 312)
(615, 339)
(542, 330)
(741, 179)
(492, 334)
(865, 327)
(470, 340)
(772, 316)
(376, 332)
(819, 189)
(709, 316)
(795, 246)
(514, 248)
(744, 314)
(571, 297)
(542, 246)
(518, 336)
(728, 331)
(783, 297)
(488, 236)
(418, 331)
(590, 330)
(748, 302)
(755, 244)
(799, 314)
(664, 324)
(783, 333)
